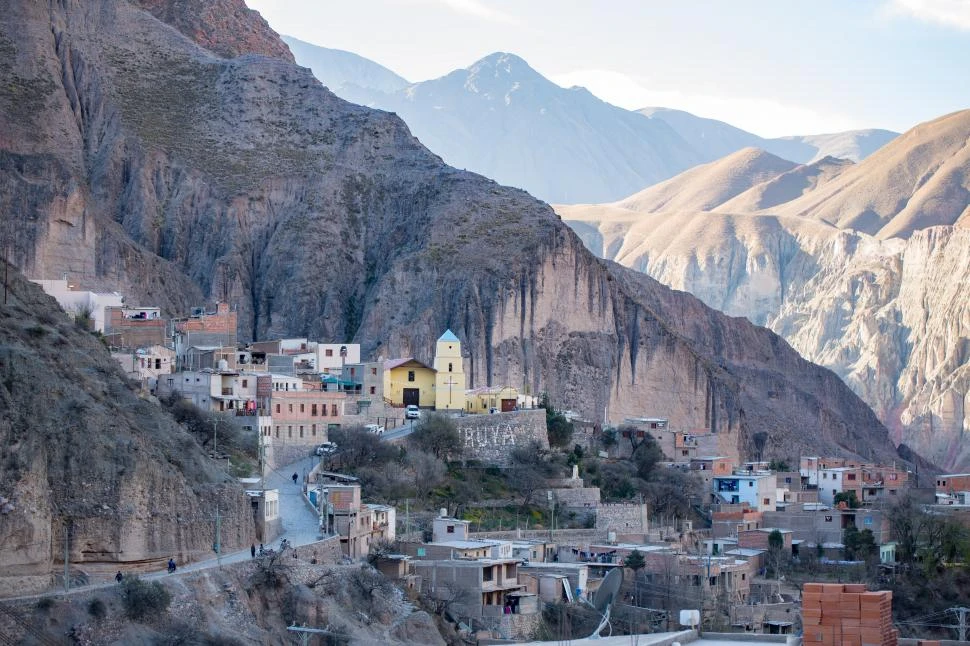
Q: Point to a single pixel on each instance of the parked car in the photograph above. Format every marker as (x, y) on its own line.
(327, 448)
(374, 428)
(412, 412)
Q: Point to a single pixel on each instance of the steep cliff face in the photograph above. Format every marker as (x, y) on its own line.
(86, 464)
(225, 27)
(248, 179)
(884, 314)
(892, 320)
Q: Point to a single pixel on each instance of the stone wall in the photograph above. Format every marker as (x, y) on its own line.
(622, 518)
(575, 499)
(492, 438)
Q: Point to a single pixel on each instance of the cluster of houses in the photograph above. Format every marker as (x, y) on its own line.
(290, 391)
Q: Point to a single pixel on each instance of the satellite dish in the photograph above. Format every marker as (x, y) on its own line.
(606, 594)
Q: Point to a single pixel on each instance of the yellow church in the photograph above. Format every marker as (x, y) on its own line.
(449, 379)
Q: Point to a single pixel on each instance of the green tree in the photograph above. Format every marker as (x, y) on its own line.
(646, 456)
(635, 562)
(437, 434)
(849, 498)
(779, 465)
(859, 546)
(558, 428)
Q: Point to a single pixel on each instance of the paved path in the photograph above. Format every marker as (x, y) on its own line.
(392, 434)
(300, 527)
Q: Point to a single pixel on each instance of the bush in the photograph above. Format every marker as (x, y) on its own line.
(142, 599)
(97, 609)
(44, 604)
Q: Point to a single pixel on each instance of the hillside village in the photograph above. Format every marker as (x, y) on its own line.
(747, 522)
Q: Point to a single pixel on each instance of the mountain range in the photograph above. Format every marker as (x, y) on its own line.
(860, 267)
(501, 118)
(141, 154)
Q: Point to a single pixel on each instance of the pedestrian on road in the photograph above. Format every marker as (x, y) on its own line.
(295, 478)
(261, 550)
(119, 576)
(171, 565)
(252, 550)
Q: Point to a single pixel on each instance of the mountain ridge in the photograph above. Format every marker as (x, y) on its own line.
(876, 305)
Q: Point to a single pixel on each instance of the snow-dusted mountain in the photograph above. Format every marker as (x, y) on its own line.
(501, 118)
(713, 139)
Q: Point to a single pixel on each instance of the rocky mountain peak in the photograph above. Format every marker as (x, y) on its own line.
(227, 28)
(501, 71)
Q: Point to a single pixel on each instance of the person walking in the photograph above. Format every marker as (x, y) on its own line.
(295, 478)
(171, 565)
(262, 550)
(252, 550)
(119, 576)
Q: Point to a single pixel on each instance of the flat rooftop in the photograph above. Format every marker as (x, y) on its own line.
(664, 639)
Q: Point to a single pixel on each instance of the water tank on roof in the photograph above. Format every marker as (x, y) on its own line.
(442, 513)
(223, 365)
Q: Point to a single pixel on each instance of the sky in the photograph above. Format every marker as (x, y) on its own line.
(772, 67)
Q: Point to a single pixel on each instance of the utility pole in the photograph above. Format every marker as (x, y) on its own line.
(215, 438)
(67, 554)
(407, 517)
(217, 546)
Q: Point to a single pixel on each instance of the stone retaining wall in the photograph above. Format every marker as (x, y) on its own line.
(492, 438)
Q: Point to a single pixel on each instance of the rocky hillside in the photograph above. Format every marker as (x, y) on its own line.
(87, 463)
(158, 164)
(252, 602)
(881, 310)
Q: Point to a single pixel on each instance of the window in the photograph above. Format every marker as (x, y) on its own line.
(313, 410)
(450, 368)
(289, 431)
(277, 408)
(788, 480)
(324, 410)
(328, 352)
(301, 430)
(373, 390)
(867, 521)
(158, 364)
(750, 483)
(684, 453)
(277, 432)
(302, 408)
(765, 501)
(245, 383)
(313, 430)
(410, 375)
(850, 476)
(373, 371)
(450, 529)
(892, 476)
(291, 408)
(333, 410)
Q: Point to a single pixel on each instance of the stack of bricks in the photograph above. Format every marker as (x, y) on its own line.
(836, 613)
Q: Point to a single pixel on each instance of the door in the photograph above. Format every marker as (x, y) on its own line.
(412, 396)
(508, 405)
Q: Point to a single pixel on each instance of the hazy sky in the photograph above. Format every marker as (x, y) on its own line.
(773, 67)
